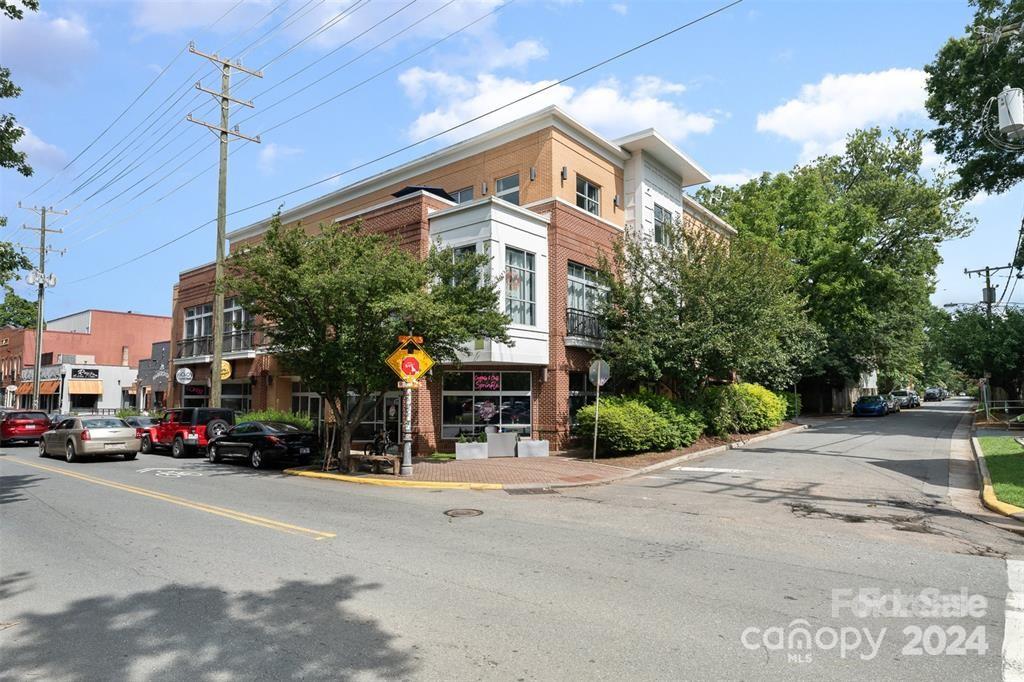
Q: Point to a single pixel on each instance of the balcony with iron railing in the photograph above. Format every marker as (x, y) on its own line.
(237, 341)
(583, 329)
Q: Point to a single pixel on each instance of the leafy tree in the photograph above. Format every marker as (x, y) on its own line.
(863, 230)
(16, 311)
(965, 74)
(975, 343)
(331, 307)
(699, 307)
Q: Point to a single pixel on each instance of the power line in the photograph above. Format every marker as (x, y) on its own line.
(419, 142)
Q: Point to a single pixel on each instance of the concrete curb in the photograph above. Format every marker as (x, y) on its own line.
(988, 495)
(445, 485)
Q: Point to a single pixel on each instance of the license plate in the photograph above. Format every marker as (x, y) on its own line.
(303, 451)
(113, 445)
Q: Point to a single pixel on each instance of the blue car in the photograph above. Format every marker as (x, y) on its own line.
(870, 406)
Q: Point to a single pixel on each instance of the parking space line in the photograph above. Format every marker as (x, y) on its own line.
(1013, 632)
(180, 501)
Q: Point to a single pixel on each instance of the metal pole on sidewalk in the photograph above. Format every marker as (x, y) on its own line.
(597, 415)
(406, 469)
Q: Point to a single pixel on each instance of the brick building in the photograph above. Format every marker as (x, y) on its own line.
(544, 196)
(89, 337)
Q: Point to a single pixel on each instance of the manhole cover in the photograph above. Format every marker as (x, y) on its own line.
(457, 513)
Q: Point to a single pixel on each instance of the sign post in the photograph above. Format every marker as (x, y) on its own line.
(409, 362)
(599, 373)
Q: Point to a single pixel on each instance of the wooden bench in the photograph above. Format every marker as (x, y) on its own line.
(355, 459)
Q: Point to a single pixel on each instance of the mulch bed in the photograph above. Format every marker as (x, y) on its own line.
(648, 458)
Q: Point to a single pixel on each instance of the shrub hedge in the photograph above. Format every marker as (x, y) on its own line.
(300, 420)
(741, 408)
(685, 424)
(641, 423)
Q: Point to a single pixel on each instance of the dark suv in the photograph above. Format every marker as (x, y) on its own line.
(187, 430)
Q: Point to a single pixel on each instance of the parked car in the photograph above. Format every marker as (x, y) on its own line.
(264, 442)
(145, 428)
(932, 395)
(90, 436)
(905, 397)
(23, 425)
(943, 394)
(892, 402)
(915, 399)
(188, 430)
(870, 406)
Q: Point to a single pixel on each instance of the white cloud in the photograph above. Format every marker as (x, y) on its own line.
(41, 155)
(46, 47)
(731, 179)
(171, 17)
(513, 56)
(619, 8)
(272, 153)
(608, 106)
(825, 112)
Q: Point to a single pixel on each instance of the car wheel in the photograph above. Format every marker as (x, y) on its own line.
(147, 445)
(69, 453)
(216, 427)
(256, 459)
(42, 448)
(212, 455)
(178, 448)
(128, 456)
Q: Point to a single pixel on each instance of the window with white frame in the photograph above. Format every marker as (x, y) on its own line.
(237, 335)
(507, 188)
(472, 401)
(460, 252)
(199, 321)
(520, 287)
(307, 402)
(585, 288)
(463, 195)
(663, 220)
(588, 195)
(581, 393)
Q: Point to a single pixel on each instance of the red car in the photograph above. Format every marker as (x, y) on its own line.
(23, 425)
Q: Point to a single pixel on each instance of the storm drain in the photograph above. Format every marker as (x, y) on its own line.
(460, 513)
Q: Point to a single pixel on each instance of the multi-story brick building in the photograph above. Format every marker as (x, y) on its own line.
(89, 337)
(544, 196)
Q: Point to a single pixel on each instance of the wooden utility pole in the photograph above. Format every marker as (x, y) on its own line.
(38, 276)
(223, 132)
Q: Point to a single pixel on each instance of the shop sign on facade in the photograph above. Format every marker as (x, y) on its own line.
(183, 376)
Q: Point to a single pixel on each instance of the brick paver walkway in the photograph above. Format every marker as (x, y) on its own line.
(510, 471)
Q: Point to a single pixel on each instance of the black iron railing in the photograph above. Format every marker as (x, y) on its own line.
(203, 345)
(582, 324)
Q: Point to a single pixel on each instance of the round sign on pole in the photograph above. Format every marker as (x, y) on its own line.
(599, 372)
(183, 376)
(225, 370)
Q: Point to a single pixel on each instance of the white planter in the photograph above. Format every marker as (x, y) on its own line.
(501, 444)
(471, 451)
(532, 448)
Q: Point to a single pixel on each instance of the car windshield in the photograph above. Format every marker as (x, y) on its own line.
(869, 399)
(27, 415)
(104, 423)
(278, 427)
(900, 393)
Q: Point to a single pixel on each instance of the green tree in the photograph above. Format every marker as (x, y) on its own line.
(332, 306)
(16, 311)
(976, 343)
(863, 230)
(701, 307)
(965, 74)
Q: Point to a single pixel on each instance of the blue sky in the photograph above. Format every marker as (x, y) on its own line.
(762, 86)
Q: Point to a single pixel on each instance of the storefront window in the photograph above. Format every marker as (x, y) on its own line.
(236, 397)
(472, 401)
(581, 392)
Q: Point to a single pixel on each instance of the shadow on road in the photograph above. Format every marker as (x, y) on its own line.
(11, 485)
(181, 632)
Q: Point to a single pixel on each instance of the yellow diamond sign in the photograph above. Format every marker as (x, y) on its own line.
(410, 362)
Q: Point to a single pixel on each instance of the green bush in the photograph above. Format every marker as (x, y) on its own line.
(624, 426)
(300, 420)
(685, 424)
(741, 408)
(794, 405)
(125, 412)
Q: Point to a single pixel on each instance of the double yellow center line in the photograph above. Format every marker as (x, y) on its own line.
(182, 502)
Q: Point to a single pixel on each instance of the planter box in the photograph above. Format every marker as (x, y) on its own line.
(471, 451)
(532, 448)
(501, 444)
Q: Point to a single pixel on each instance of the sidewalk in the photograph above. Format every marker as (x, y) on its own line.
(507, 473)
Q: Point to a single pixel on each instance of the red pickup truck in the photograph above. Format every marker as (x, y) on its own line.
(187, 430)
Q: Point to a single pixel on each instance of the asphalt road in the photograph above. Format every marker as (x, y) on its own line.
(182, 570)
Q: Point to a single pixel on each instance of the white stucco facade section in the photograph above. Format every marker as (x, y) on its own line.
(494, 226)
(658, 185)
(78, 322)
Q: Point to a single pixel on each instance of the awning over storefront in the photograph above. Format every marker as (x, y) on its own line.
(86, 387)
(24, 388)
(48, 387)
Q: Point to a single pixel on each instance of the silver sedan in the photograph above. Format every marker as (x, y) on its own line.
(90, 436)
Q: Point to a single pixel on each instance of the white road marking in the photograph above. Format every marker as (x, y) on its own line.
(712, 470)
(1013, 632)
(169, 473)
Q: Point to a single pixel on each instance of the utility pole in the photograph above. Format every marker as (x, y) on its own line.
(38, 276)
(223, 132)
(988, 294)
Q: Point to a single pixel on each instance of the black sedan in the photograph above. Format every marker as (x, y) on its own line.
(264, 442)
